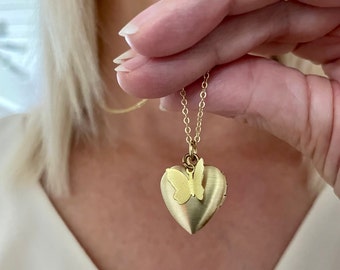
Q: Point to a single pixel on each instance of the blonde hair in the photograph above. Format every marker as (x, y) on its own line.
(71, 88)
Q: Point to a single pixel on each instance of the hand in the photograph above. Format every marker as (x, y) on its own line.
(178, 41)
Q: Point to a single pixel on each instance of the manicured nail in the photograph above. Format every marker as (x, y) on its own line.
(121, 68)
(128, 29)
(133, 63)
(124, 56)
(162, 108)
(161, 105)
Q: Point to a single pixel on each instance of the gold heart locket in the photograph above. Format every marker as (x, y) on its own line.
(193, 192)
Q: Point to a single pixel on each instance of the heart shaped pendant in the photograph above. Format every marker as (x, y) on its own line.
(193, 195)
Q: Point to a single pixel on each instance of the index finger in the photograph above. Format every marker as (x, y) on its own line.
(171, 26)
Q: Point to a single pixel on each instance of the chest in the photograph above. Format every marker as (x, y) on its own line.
(128, 226)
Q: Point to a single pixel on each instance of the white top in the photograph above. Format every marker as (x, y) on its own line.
(34, 237)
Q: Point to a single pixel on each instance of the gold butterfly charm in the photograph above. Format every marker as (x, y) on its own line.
(193, 196)
(187, 186)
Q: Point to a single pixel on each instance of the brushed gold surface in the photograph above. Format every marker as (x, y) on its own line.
(194, 213)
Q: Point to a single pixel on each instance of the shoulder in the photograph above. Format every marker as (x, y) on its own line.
(11, 130)
(7, 124)
(29, 224)
(316, 244)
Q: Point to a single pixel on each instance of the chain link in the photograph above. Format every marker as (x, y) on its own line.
(192, 142)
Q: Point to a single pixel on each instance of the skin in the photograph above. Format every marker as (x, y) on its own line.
(309, 121)
(116, 211)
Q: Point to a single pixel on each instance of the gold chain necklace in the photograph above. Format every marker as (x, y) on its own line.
(134, 107)
(193, 192)
(185, 112)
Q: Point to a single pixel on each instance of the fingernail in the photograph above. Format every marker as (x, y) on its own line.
(121, 68)
(128, 29)
(161, 105)
(131, 64)
(124, 56)
(162, 108)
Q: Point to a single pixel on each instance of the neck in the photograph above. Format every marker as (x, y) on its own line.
(145, 130)
(147, 124)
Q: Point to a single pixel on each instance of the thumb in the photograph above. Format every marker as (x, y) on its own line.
(301, 110)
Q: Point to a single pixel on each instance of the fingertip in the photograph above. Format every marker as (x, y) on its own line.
(139, 84)
(163, 29)
(126, 85)
(170, 103)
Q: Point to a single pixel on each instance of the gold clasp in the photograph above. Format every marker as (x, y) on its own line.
(193, 148)
(190, 161)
